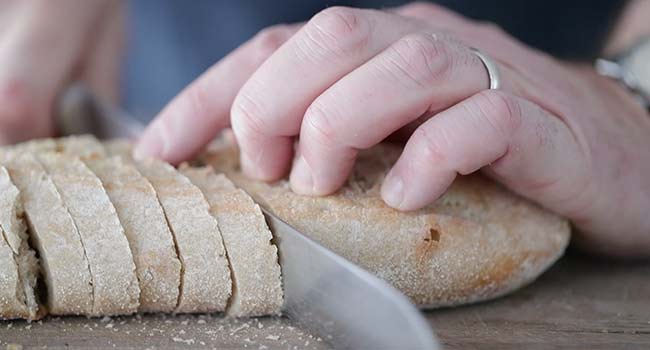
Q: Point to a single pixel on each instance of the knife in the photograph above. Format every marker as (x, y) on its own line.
(324, 293)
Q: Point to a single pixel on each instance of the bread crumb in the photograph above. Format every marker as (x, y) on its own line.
(273, 337)
(200, 321)
(185, 341)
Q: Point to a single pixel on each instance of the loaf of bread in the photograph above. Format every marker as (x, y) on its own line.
(108, 235)
(477, 242)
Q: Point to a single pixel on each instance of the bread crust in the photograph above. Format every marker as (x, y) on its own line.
(157, 265)
(54, 234)
(206, 281)
(477, 242)
(115, 286)
(257, 284)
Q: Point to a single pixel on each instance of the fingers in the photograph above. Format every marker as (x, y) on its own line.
(268, 111)
(529, 150)
(37, 54)
(202, 109)
(417, 74)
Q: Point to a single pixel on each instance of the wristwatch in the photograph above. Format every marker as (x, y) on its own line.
(632, 68)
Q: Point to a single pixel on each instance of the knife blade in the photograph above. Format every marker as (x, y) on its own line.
(344, 304)
(80, 112)
(324, 293)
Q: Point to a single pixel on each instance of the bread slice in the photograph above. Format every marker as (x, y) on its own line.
(257, 284)
(115, 285)
(14, 236)
(12, 296)
(205, 283)
(157, 265)
(54, 235)
(477, 242)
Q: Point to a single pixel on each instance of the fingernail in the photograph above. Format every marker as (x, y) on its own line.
(393, 191)
(152, 144)
(302, 179)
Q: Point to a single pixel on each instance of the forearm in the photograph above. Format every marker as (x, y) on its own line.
(631, 27)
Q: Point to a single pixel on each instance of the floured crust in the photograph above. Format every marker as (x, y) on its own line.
(477, 242)
(54, 235)
(257, 288)
(115, 286)
(157, 266)
(205, 282)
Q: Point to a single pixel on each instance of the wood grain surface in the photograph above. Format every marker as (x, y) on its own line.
(581, 303)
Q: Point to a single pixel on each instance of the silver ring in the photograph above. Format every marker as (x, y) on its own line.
(491, 67)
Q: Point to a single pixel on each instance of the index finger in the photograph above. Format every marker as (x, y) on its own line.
(202, 109)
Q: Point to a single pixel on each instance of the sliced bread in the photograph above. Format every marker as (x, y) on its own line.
(157, 265)
(54, 235)
(205, 283)
(14, 235)
(115, 285)
(257, 284)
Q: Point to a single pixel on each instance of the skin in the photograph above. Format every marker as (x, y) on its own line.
(44, 46)
(556, 132)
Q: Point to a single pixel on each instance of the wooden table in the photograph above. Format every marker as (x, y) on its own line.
(580, 303)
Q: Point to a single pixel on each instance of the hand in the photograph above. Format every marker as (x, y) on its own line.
(556, 133)
(44, 46)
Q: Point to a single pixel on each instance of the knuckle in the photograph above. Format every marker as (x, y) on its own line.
(422, 59)
(338, 31)
(501, 110)
(269, 39)
(246, 115)
(319, 124)
(429, 145)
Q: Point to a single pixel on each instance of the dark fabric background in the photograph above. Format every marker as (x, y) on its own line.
(173, 41)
